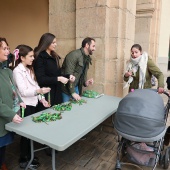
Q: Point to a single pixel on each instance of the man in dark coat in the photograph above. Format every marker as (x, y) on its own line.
(77, 63)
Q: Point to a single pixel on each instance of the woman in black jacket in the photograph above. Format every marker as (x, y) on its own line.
(47, 69)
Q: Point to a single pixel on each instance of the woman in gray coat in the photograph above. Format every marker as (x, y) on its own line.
(10, 103)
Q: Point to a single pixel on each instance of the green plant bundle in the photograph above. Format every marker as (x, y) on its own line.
(80, 102)
(22, 112)
(63, 107)
(46, 117)
(90, 93)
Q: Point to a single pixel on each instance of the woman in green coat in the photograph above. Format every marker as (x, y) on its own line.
(10, 102)
(140, 70)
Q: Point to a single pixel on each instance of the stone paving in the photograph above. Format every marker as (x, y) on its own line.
(96, 152)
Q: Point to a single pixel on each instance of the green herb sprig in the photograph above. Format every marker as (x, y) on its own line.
(46, 117)
(90, 93)
(80, 102)
(22, 112)
(63, 107)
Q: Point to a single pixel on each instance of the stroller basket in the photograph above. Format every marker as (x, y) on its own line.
(141, 156)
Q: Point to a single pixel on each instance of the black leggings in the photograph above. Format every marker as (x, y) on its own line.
(25, 150)
(2, 155)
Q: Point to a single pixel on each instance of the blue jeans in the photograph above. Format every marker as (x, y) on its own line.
(67, 97)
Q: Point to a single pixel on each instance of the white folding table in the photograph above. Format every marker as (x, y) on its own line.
(61, 134)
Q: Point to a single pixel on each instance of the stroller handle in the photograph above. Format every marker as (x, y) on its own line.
(165, 92)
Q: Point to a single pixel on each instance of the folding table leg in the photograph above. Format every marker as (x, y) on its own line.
(53, 159)
(32, 156)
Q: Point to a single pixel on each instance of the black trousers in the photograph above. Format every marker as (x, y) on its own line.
(25, 148)
(2, 155)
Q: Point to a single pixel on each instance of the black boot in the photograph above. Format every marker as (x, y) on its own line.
(24, 161)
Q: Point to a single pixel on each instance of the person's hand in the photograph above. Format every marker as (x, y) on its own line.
(160, 90)
(128, 73)
(63, 80)
(22, 104)
(89, 82)
(76, 96)
(43, 90)
(72, 78)
(45, 103)
(17, 119)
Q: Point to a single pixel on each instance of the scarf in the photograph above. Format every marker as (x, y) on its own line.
(135, 64)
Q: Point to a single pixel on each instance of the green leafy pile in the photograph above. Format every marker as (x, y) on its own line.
(63, 107)
(68, 106)
(80, 102)
(46, 117)
(90, 93)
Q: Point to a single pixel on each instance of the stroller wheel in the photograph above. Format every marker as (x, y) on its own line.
(161, 159)
(123, 149)
(167, 158)
(118, 166)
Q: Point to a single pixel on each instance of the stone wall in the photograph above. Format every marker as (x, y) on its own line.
(111, 23)
(115, 24)
(147, 27)
(164, 39)
(62, 23)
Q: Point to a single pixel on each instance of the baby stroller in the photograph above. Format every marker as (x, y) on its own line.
(140, 122)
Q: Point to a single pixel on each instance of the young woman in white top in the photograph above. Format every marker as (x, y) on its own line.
(29, 92)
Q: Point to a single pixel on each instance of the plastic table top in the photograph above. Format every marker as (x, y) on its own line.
(61, 134)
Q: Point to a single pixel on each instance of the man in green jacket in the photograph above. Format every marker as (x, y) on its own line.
(77, 63)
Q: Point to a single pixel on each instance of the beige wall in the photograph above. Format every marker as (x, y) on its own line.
(164, 29)
(23, 21)
(164, 38)
(147, 27)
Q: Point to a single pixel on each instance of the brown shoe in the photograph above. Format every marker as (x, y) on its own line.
(3, 167)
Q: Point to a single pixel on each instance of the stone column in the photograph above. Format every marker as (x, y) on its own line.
(112, 24)
(62, 23)
(148, 26)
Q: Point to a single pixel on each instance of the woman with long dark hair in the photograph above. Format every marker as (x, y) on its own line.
(47, 68)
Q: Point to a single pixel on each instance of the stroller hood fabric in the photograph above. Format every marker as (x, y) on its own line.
(141, 115)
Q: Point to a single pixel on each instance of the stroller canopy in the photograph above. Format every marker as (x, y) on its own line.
(141, 115)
